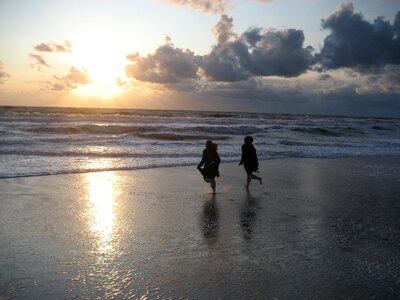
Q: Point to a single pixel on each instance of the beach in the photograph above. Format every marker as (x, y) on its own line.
(316, 228)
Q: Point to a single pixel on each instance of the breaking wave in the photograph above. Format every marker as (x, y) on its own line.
(63, 140)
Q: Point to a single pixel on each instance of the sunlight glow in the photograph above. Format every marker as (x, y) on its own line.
(101, 90)
(104, 60)
(101, 194)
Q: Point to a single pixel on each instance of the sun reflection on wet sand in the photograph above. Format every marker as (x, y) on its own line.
(102, 198)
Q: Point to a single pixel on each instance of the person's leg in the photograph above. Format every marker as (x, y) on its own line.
(251, 176)
(256, 177)
(212, 182)
(213, 185)
(248, 180)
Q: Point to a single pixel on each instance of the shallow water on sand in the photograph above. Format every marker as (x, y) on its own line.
(324, 229)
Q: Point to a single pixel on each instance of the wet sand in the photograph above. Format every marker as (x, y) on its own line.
(317, 228)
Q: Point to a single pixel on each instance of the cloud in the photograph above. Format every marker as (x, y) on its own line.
(222, 64)
(77, 76)
(55, 86)
(53, 47)
(3, 74)
(358, 44)
(167, 65)
(38, 60)
(257, 52)
(210, 6)
(70, 81)
(223, 31)
(387, 82)
(297, 96)
(325, 76)
(269, 68)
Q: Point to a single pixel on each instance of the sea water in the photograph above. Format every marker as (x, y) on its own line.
(42, 141)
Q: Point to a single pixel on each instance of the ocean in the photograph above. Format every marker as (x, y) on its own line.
(43, 141)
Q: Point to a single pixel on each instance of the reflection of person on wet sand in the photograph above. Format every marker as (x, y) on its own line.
(247, 217)
(211, 161)
(249, 160)
(210, 219)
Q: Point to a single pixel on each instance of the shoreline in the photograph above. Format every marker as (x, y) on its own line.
(261, 161)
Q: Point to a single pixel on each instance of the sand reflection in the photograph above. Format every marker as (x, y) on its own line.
(247, 216)
(102, 205)
(209, 220)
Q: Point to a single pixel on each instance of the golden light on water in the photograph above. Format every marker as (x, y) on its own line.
(102, 198)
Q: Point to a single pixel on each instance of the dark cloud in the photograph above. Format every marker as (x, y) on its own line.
(70, 81)
(347, 100)
(38, 60)
(387, 82)
(358, 44)
(279, 53)
(258, 66)
(257, 52)
(325, 76)
(3, 74)
(291, 96)
(53, 47)
(167, 65)
(222, 64)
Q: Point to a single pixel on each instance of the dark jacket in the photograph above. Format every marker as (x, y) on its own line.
(211, 161)
(249, 158)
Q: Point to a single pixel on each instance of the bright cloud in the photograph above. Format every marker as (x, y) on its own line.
(209, 6)
(38, 60)
(53, 47)
(70, 81)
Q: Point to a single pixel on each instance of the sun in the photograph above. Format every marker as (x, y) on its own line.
(104, 61)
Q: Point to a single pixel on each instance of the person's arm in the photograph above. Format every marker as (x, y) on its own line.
(242, 159)
(218, 159)
(203, 160)
(255, 158)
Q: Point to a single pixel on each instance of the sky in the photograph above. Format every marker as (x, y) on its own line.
(277, 56)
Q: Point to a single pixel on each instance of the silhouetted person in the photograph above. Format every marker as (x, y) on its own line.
(249, 160)
(211, 161)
